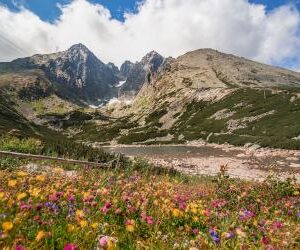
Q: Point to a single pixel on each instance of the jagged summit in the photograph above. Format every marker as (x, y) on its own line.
(137, 74)
(79, 47)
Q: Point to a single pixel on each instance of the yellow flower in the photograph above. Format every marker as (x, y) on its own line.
(130, 225)
(110, 245)
(71, 227)
(35, 192)
(95, 225)
(83, 223)
(21, 196)
(296, 193)
(40, 178)
(40, 235)
(7, 226)
(80, 213)
(2, 195)
(21, 174)
(130, 228)
(12, 183)
(176, 212)
(194, 210)
(195, 219)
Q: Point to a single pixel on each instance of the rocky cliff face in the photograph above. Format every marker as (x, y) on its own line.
(76, 72)
(141, 72)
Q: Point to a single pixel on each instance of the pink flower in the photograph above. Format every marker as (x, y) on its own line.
(106, 207)
(118, 211)
(264, 240)
(149, 220)
(20, 247)
(53, 197)
(70, 246)
(103, 241)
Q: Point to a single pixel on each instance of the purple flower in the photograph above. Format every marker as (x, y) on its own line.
(229, 235)
(213, 233)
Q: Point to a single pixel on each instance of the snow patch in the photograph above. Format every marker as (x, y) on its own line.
(95, 106)
(120, 83)
(115, 100)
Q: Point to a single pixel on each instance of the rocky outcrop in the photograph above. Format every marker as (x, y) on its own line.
(75, 73)
(141, 72)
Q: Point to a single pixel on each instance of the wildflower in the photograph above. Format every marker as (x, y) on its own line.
(106, 242)
(205, 212)
(40, 235)
(2, 194)
(71, 198)
(130, 225)
(21, 174)
(35, 192)
(7, 226)
(196, 219)
(106, 207)
(40, 178)
(80, 213)
(95, 225)
(149, 220)
(240, 233)
(20, 247)
(264, 240)
(83, 223)
(213, 233)
(118, 211)
(70, 246)
(177, 213)
(12, 183)
(246, 214)
(21, 196)
(229, 235)
(195, 231)
(103, 241)
(71, 227)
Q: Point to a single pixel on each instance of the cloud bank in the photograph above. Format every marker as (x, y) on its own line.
(171, 27)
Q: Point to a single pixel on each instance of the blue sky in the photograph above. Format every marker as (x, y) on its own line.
(47, 10)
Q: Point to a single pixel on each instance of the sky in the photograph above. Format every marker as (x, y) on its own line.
(116, 30)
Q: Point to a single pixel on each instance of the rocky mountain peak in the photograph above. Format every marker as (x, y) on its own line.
(152, 61)
(126, 68)
(79, 48)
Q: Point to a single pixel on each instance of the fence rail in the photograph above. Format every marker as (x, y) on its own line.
(57, 159)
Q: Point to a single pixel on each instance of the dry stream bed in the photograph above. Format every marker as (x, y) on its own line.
(206, 159)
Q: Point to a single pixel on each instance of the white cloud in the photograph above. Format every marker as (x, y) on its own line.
(171, 27)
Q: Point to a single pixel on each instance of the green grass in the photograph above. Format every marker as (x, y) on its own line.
(276, 130)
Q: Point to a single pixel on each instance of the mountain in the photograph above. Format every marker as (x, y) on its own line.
(75, 74)
(140, 73)
(215, 97)
(202, 95)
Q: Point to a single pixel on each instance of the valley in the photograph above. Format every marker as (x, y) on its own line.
(200, 152)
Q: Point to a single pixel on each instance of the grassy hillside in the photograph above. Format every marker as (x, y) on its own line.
(269, 118)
